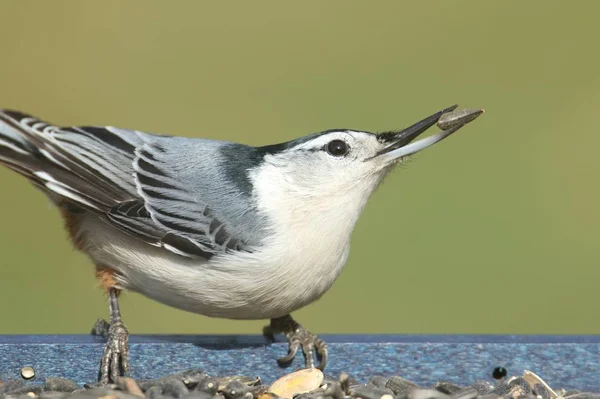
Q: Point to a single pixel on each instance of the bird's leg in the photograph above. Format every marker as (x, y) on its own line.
(298, 337)
(115, 360)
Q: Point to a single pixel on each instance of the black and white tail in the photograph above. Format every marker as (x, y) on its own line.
(89, 166)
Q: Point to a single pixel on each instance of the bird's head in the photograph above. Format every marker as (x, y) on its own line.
(343, 163)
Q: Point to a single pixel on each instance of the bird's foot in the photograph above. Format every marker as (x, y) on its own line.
(115, 360)
(298, 337)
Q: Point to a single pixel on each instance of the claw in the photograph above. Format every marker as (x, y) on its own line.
(323, 353)
(115, 360)
(298, 337)
(292, 350)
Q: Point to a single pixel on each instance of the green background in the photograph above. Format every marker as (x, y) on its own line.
(492, 231)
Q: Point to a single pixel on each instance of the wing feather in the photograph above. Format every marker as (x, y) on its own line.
(171, 206)
(121, 175)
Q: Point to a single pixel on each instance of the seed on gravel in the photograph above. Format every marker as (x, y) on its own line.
(467, 393)
(333, 389)
(208, 385)
(154, 392)
(318, 393)
(400, 385)
(539, 386)
(541, 391)
(97, 385)
(378, 381)
(482, 387)
(528, 386)
(191, 378)
(426, 394)
(175, 388)
(248, 381)
(447, 387)
(10, 385)
(369, 392)
(513, 387)
(199, 395)
(130, 385)
(222, 382)
(258, 390)
(347, 382)
(235, 389)
(268, 395)
(26, 389)
(457, 118)
(300, 381)
(54, 395)
(100, 392)
(327, 378)
(27, 372)
(60, 385)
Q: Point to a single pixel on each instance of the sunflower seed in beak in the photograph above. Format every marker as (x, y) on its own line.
(458, 117)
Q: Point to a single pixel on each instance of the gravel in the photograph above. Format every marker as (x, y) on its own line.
(197, 384)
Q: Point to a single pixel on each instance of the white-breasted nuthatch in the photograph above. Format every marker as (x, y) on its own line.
(212, 227)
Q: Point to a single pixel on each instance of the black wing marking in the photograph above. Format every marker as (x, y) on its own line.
(133, 217)
(94, 168)
(171, 206)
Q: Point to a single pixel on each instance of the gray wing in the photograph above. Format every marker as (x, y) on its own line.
(118, 174)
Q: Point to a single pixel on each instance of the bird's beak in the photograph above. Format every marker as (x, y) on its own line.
(401, 145)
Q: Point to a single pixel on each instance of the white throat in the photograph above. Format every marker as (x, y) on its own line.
(311, 229)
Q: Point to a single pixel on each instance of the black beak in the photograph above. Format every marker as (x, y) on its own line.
(407, 135)
(400, 143)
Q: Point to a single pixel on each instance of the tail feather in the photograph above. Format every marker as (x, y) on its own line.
(11, 137)
(74, 164)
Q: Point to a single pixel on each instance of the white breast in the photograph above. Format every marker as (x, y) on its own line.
(285, 275)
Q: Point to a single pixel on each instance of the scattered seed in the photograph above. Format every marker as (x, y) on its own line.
(60, 385)
(298, 382)
(378, 381)
(369, 392)
(447, 387)
(131, 386)
(27, 372)
(302, 384)
(426, 394)
(400, 385)
(534, 380)
(499, 373)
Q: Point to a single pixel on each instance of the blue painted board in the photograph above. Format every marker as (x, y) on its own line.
(571, 362)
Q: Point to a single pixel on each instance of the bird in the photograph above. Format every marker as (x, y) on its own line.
(212, 227)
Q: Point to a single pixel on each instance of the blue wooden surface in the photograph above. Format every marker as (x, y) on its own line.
(563, 361)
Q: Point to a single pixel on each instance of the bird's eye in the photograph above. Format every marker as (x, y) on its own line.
(337, 148)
